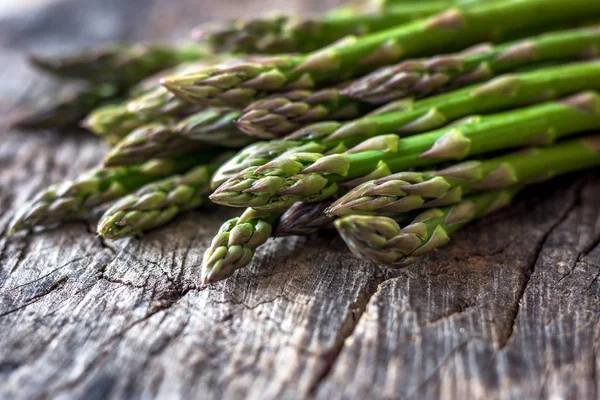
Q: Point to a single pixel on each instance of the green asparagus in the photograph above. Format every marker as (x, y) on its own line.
(157, 203)
(315, 177)
(115, 121)
(208, 128)
(382, 240)
(502, 93)
(152, 104)
(453, 30)
(283, 33)
(124, 65)
(284, 113)
(233, 247)
(304, 219)
(258, 154)
(69, 107)
(420, 78)
(407, 191)
(74, 199)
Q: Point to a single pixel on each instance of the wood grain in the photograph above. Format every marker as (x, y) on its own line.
(509, 311)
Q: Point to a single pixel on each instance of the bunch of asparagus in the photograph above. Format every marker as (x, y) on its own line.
(395, 122)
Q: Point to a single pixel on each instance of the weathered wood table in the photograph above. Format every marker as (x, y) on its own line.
(510, 310)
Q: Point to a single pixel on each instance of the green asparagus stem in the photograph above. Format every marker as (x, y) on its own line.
(157, 203)
(123, 65)
(422, 77)
(233, 247)
(284, 113)
(407, 191)
(453, 30)
(153, 104)
(258, 154)
(74, 199)
(315, 177)
(208, 128)
(304, 219)
(283, 33)
(114, 122)
(69, 107)
(382, 240)
(502, 93)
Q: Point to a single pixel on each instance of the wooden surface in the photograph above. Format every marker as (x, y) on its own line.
(509, 311)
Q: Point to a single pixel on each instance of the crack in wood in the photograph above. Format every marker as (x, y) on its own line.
(590, 247)
(37, 297)
(530, 270)
(347, 328)
(254, 306)
(594, 280)
(572, 267)
(51, 272)
(460, 308)
(441, 365)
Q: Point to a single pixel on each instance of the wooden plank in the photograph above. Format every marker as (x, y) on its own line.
(509, 311)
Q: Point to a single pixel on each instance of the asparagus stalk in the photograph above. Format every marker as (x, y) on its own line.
(283, 33)
(422, 77)
(121, 64)
(74, 199)
(407, 191)
(315, 177)
(69, 107)
(115, 121)
(382, 240)
(303, 219)
(157, 203)
(153, 104)
(502, 93)
(233, 247)
(258, 154)
(284, 113)
(208, 128)
(453, 30)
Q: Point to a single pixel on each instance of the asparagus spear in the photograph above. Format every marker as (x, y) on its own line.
(115, 121)
(69, 107)
(382, 240)
(442, 73)
(121, 64)
(315, 177)
(283, 33)
(157, 203)
(78, 101)
(233, 247)
(454, 29)
(502, 93)
(153, 104)
(407, 191)
(304, 219)
(284, 113)
(73, 199)
(258, 154)
(208, 128)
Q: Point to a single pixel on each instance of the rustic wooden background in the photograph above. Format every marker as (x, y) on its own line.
(510, 310)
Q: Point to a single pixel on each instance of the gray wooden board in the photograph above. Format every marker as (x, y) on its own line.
(509, 310)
